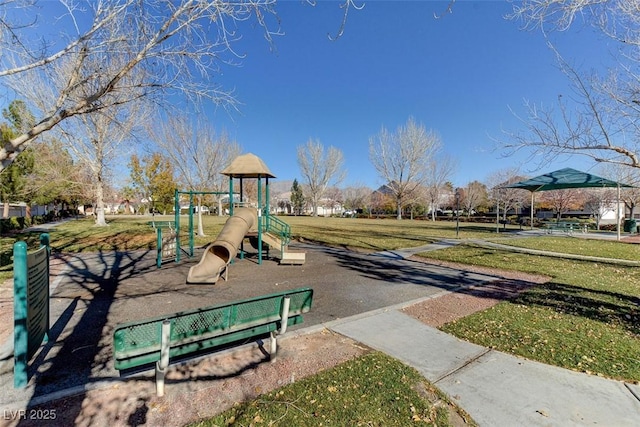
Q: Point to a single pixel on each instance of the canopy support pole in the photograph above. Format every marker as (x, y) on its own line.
(531, 223)
(618, 214)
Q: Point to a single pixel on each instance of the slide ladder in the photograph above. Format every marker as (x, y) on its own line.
(277, 234)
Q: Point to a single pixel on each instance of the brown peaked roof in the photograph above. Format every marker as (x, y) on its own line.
(248, 166)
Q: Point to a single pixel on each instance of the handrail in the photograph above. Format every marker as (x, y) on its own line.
(278, 227)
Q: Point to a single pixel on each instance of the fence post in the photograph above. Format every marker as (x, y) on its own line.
(20, 339)
(159, 245)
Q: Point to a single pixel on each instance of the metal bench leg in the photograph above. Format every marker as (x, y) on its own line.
(284, 316)
(273, 345)
(160, 374)
(163, 363)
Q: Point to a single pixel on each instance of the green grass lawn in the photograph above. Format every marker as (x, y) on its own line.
(576, 246)
(382, 234)
(372, 390)
(122, 234)
(587, 318)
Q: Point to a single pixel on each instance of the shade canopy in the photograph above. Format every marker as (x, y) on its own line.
(565, 178)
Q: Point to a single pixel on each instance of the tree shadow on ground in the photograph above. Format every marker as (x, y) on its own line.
(395, 270)
(79, 348)
(133, 396)
(603, 306)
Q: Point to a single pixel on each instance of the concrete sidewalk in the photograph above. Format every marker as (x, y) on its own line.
(495, 388)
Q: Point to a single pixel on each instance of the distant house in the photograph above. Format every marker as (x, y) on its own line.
(328, 207)
(21, 209)
(283, 204)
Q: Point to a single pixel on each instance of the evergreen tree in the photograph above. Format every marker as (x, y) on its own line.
(13, 180)
(297, 198)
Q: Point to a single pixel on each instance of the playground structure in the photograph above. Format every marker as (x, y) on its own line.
(254, 222)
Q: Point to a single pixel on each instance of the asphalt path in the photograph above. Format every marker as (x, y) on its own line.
(95, 292)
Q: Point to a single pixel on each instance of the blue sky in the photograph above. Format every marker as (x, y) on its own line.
(457, 75)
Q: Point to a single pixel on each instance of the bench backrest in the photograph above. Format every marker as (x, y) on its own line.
(138, 343)
(162, 224)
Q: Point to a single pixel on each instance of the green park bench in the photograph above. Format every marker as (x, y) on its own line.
(163, 339)
(171, 225)
(566, 226)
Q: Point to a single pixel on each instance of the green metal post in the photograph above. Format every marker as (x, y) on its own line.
(266, 195)
(259, 220)
(177, 218)
(44, 240)
(267, 211)
(45, 243)
(159, 245)
(230, 195)
(20, 339)
(190, 223)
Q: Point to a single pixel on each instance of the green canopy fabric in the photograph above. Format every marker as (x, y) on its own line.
(565, 178)
(568, 178)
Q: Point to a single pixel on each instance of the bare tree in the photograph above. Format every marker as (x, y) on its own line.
(95, 140)
(599, 119)
(631, 196)
(475, 194)
(415, 200)
(320, 169)
(506, 198)
(625, 175)
(128, 48)
(561, 201)
(357, 197)
(598, 201)
(333, 199)
(198, 154)
(404, 158)
(438, 175)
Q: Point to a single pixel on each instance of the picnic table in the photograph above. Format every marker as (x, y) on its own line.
(162, 224)
(566, 226)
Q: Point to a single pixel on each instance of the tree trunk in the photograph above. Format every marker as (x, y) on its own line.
(99, 208)
(5, 210)
(200, 227)
(399, 209)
